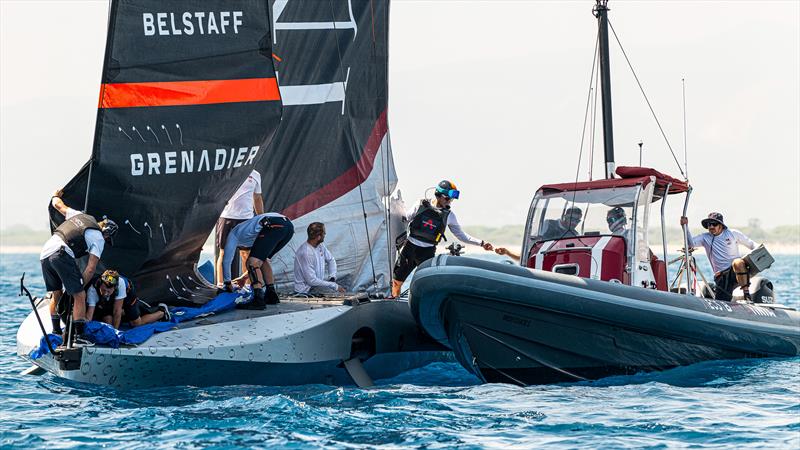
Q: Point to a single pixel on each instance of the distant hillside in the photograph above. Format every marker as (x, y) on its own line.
(506, 235)
(21, 235)
(781, 236)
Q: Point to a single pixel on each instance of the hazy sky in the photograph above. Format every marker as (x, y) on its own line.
(490, 94)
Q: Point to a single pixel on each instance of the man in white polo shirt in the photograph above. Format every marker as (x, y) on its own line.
(245, 203)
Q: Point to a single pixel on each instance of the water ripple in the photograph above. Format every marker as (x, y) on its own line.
(720, 404)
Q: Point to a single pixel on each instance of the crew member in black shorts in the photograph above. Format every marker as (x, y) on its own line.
(265, 235)
(426, 226)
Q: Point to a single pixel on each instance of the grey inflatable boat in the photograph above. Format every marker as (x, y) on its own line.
(512, 324)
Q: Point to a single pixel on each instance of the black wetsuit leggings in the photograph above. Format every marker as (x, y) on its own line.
(409, 258)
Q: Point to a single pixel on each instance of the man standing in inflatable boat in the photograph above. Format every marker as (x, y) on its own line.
(722, 248)
(426, 226)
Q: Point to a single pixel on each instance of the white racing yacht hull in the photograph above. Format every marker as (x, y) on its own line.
(296, 342)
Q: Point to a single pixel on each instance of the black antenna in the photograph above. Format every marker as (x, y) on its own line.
(640, 152)
(601, 12)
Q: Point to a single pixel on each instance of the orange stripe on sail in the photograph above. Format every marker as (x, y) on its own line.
(182, 93)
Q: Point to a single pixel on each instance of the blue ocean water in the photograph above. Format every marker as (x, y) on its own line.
(721, 404)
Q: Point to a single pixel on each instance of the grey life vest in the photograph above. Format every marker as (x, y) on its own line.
(72, 230)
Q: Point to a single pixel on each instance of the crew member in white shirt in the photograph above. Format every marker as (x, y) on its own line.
(79, 235)
(310, 261)
(722, 248)
(245, 203)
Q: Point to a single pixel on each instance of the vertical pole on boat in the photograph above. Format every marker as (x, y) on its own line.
(685, 155)
(686, 255)
(640, 152)
(601, 12)
(663, 221)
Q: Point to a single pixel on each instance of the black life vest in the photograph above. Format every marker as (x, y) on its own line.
(95, 284)
(429, 224)
(72, 230)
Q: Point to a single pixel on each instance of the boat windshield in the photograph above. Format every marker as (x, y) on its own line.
(581, 213)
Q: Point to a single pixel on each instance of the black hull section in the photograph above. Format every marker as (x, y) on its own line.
(513, 325)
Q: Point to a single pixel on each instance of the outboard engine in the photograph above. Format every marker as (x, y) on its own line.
(761, 291)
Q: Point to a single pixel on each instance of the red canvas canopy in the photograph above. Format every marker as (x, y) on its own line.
(629, 176)
(662, 180)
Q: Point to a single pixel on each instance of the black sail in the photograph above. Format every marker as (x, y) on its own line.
(332, 60)
(189, 104)
(330, 160)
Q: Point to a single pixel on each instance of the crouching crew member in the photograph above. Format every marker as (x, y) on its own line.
(239, 208)
(426, 227)
(110, 298)
(78, 236)
(310, 261)
(722, 248)
(264, 234)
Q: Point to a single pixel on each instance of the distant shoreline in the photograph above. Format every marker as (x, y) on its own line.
(672, 249)
(33, 249)
(791, 249)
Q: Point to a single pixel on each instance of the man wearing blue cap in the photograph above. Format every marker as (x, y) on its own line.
(722, 248)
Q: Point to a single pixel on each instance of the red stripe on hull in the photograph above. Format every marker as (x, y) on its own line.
(183, 93)
(345, 182)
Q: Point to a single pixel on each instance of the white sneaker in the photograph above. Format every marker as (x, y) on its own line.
(167, 315)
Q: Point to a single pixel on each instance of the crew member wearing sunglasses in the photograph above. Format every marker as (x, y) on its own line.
(426, 226)
(722, 248)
